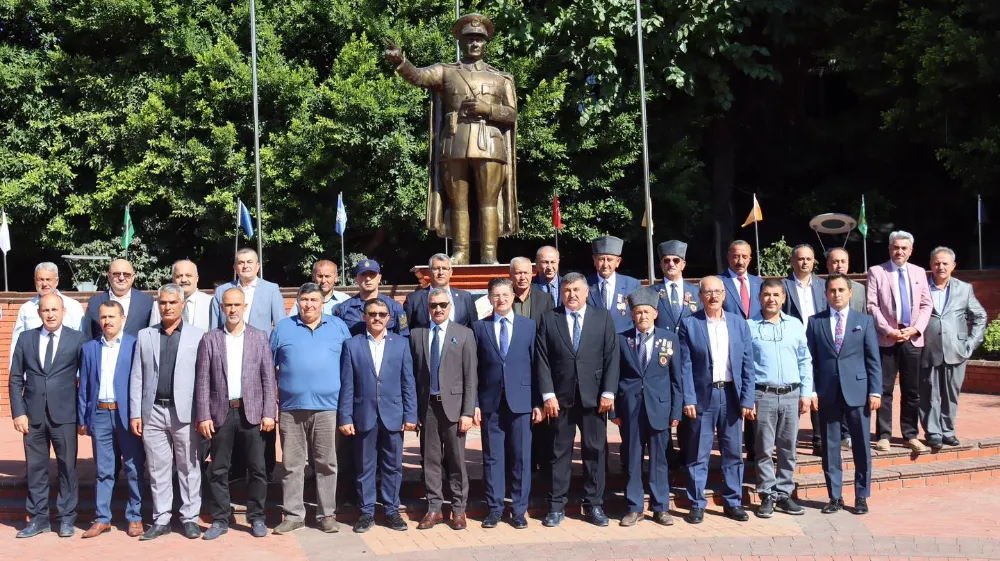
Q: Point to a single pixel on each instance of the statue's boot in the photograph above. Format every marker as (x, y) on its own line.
(461, 235)
(489, 224)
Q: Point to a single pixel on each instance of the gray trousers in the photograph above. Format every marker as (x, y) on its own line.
(305, 433)
(172, 445)
(443, 446)
(939, 389)
(777, 429)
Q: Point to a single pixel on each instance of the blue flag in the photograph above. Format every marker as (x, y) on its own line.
(245, 221)
(341, 215)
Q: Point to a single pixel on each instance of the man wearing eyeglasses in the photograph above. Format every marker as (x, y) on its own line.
(783, 380)
(138, 305)
(462, 309)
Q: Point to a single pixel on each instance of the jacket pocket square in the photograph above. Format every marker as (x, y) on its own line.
(856, 328)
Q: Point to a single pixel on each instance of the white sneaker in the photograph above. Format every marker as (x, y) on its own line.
(916, 445)
(882, 445)
(845, 444)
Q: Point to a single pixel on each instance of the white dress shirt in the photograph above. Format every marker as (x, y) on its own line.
(569, 322)
(510, 326)
(248, 294)
(718, 339)
(649, 343)
(234, 362)
(377, 348)
(125, 301)
(667, 284)
(43, 344)
(807, 307)
(896, 273)
(451, 308)
(109, 361)
(430, 336)
(611, 282)
(735, 279)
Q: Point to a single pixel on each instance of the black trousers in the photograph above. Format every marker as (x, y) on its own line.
(62, 438)
(235, 430)
(593, 439)
(905, 359)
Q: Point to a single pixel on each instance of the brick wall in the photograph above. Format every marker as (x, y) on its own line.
(982, 376)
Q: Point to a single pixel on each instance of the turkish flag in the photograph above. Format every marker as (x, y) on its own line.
(556, 218)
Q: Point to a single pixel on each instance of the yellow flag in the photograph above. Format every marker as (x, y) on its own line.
(645, 214)
(755, 214)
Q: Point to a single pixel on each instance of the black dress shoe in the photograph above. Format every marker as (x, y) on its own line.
(192, 531)
(38, 525)
(595, 515)
(935, 443)
(553, 519)
(155, 531)
(736, 513)
(861, 506)
(951, 441)
(492, 520)
(364, 523)
(396, 522)
(66, 529)
(695, 516)
(519, 522)
(833, 506)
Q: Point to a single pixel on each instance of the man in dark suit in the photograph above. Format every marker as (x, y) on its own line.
(647, 405)
(378, 401)
(839, 261)
(102, 412)
(576, 355)
(43, 406)
(234, 393)
(444, 360)
(547, 279)
(462, 310)
(506, 351)
(138, 306)
(847, 373)
(608, 289)
(717, 362)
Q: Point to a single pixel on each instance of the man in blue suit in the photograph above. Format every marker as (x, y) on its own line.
(102, 412)
(506, 348)
(847, 373)
(547, 279)
(742, 288)
(608, 289)
(463, 308)
(717, 363)
(647, 405)
(378, 401)
(137, 306)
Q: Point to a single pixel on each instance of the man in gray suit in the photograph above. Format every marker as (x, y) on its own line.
(839, 261)
(956, 328)
(446, 370)
(161, 399)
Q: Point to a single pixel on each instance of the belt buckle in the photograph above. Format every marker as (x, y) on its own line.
(782, 390)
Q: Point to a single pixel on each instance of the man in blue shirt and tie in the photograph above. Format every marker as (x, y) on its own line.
(783, 380)
(547, 263)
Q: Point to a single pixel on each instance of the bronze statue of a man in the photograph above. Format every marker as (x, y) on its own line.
(473, 134)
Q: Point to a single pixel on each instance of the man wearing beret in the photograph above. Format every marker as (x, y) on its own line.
(608, 289)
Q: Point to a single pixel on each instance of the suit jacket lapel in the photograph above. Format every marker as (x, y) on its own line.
(457, 304)
(155, 342)
(703, 327)
(488, 325)
(564, 328)
(827, 330)
(123, 364)
(793, 294)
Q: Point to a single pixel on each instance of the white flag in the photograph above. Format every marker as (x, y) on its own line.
(4, 235)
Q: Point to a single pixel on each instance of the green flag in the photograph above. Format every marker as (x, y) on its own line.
(862, 221)
(128, 232)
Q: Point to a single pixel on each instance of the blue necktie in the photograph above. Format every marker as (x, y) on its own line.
(674, 300)
(576, 331)
(904, 301)
(554, 293)
(435, 361)
(604, 295)
(504, 338)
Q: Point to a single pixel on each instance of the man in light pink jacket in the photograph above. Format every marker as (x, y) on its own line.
(900, 302)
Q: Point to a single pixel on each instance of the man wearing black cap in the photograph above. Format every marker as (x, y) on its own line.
(608, 289)
(678, 299)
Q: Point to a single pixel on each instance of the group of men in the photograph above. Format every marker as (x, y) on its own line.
(165, 384)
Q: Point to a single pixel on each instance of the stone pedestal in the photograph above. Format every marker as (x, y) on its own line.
(467, 277)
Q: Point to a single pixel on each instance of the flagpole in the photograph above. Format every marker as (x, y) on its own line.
(256, 133)
(864, 238)
(236, 248)
(5, 289)
(343, 269)
(123, 234)
(557, 237)
(645, 142)
(979, 225)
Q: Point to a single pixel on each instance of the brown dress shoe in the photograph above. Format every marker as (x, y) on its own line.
(96, 529)
(429, 520)
(458, 522)
(135, 529)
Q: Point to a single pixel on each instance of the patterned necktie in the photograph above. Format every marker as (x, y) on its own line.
(504, 338)
(744, 296)
(186, 314)
(604, 295)
(904, 300)
(49, 352)
(554, 293)
(838, 340)
(674, 300)
(576, 331)
(435, 360)
(643, 355)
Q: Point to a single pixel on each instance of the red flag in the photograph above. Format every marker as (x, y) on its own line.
(556, 218)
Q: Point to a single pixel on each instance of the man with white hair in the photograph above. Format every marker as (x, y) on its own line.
(900, 303)
(46, 282)
(956, 328)
(197, 304)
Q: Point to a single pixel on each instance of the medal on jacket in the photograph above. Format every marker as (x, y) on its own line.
(666, 349)
(621, 304)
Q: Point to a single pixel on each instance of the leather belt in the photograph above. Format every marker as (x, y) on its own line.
(720, 385)
(235, 403)
(780, 390)
(107, 405)
(164, 402)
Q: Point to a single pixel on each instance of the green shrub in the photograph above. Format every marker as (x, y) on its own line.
(990, 349)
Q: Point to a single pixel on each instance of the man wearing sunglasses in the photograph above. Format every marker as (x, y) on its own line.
(783, 384)
(138, 305)
(678, 299)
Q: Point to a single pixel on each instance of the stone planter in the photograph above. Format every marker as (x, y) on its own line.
(982, 376)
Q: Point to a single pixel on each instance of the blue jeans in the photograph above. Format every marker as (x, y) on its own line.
(112, 440)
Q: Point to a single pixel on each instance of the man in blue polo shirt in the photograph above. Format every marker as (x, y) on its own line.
(307, 349)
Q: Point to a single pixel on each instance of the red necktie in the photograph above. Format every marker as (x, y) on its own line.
(744, 296)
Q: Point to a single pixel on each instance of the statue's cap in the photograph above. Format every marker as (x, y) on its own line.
(472, 24)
